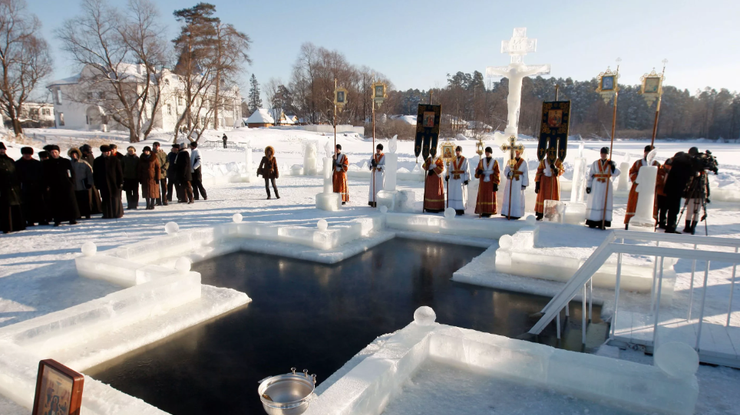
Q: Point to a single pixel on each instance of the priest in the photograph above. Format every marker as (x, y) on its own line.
(339, 178)
(458, 176)
(600, 190)
(377, 170)
(434, 193)
(517, 173)
(547, 182)
(488, 174)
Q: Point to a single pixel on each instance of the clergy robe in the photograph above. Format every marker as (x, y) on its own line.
(108, 177)
(488, 174)
(339, 178)
(547, 177)
(518, 179)
(379, 173)
(458, 174)
(59, 178)
(434, 193)
(632, 201)
(600, 180)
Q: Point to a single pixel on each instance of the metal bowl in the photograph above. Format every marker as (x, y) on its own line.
(287, 394)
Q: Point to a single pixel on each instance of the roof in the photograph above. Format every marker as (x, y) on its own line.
(261, 116)
(65, 81)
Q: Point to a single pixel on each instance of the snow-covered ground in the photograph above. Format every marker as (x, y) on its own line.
(37, 274)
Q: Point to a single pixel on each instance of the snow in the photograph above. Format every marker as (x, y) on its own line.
(38, 276)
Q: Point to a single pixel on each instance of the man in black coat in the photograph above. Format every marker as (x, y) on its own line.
(11, 215)
(95, 204)
(171, 173)
(675, 186)
(31, 176)
(184, 176)
(108, 178)
(59, 179)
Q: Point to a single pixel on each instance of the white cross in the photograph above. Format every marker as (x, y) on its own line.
(519, 45)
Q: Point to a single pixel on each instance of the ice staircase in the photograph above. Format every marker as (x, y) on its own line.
(722, 343)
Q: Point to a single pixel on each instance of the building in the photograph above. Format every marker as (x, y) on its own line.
(260, 118)
(80, 103)
(33, 115)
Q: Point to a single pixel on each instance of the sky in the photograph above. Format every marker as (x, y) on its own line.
(417, 43)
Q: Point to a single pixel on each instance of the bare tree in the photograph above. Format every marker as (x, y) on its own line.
(231, 52)
(104, 42)
(24, 58)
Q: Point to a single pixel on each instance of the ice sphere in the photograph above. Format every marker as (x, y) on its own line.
(322, 225)
(678, 360)
(505, 242)
(89, 249)
(182, 264)
(171, 228)
(450, 213)
(424, 316)
(383, 209)
(237, 218)
(531, 220)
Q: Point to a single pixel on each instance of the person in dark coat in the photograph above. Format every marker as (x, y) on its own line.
(269, 170)
(164, 164)
(171, 173)
(11, 214)
(130, 164)
(184, 176)
(675, 184)
(224, 138)
(59, 179)
(43, 156)
(108, 177)
(31, 176)
(197, 175)
(83, 181)
(149, 175)
(95, 205)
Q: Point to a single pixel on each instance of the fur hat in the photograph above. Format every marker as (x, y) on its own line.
(193, 144)
(74, 150)
(85, 148)
(146, 148)
(458, 148)
(27, 150)
(2, 146)
(604, 150)
(649, 148)
(50, 147)
(43, 154)
(104, 148)
(269, 148)
(177, 146)
(379, 146)
(489, 150)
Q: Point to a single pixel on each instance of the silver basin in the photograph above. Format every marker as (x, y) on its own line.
(287, 394)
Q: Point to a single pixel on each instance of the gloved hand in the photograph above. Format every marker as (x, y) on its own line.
(374, 163)
(479, 172)
(431, 172)
(466, 182)
(537, 187)
(495, 188)
(614, 165)
(588, 190)
(509, 175)
(447, 178)
(524, 187)
(709, 201)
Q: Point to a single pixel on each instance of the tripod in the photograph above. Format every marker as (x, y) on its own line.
(696, 191)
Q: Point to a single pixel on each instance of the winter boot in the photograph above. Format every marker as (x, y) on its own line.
(687, 228)
(693, 227)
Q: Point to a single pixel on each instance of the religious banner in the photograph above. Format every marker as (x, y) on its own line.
(340, 97)
(608, 84)
(427, 130)
(554, 128)
(379, 93)
(652, 86)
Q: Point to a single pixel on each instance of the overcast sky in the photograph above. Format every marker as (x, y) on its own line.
(417, 43)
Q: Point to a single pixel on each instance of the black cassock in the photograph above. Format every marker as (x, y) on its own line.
(31, 176)
(11, 217)
(108, 178)
(59, 177)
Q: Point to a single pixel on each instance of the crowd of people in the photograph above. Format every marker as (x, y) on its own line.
(52, 189)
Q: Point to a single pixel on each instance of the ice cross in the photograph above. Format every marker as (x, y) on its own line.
(518, 46)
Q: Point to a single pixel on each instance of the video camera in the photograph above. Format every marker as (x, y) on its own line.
(705, 161)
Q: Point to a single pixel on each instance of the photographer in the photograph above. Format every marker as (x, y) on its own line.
(697, 191)
(681, 170)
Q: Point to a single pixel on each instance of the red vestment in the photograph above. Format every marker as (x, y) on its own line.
(486, 202)
(339, 178)
(434, 195)
(632, 201)
(549, 185)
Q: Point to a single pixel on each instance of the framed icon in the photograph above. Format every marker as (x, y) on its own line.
(554, 118)
(448, 151)
(58, 389)
(607, 83)
(341, 98)
(651, 85)
(428, 120)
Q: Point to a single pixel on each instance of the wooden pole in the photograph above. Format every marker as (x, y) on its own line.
(335, 116)
(557, 91)
(657, 108)
(375, 202)
(611, 149)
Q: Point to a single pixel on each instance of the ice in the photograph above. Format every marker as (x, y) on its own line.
(391, 165)
(580, 174)
(89, 249)
(329, 201)
(450, 213)
(171, 228)
(322, 225)
(406, 200)
(646, 191)
(424, 316)
(387, 199)
(248, 164)
(237, 218)
(421, 223)
(383, 209)
(310, 157)
(678, 360)
(623, 184)
(558, 211)
(182, 265)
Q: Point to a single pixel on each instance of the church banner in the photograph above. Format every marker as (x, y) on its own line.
(554, 129)
(427, 130)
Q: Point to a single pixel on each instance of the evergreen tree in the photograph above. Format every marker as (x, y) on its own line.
(254, 102)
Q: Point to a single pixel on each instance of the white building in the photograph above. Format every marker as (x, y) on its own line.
(80, 104)
(33, 114)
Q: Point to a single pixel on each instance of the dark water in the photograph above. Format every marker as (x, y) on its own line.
(309, 316)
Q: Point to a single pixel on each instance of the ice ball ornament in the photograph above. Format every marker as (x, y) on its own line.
(182, 264)
(171, 228)
(531, 220)
(237, 218)
(322, 225)
(89, 249)
(505, 242)
(424, 316)
(678, 360)
(450, 213)
(383, 209)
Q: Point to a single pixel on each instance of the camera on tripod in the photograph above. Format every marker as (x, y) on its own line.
(704, 161)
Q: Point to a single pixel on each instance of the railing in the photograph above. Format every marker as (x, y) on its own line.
(708, 249)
